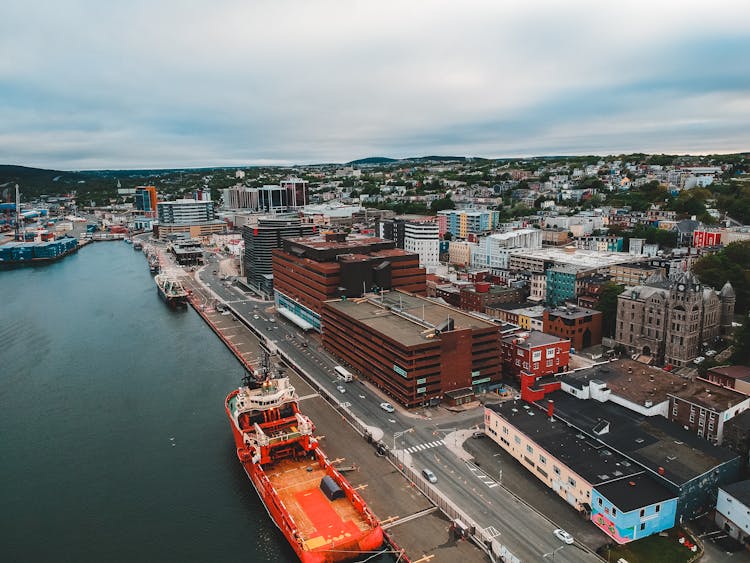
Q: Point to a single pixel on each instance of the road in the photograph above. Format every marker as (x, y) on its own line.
(430, 438)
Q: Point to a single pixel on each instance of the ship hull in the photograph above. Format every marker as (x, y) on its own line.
(345, 542)
(170, 300)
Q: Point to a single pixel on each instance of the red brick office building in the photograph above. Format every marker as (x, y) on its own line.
(412, 348)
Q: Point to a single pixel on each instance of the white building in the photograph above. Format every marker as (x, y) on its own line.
(423, 239)
(494, 251)
(733, 510)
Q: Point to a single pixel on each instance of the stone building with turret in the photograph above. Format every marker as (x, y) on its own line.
(667, 321)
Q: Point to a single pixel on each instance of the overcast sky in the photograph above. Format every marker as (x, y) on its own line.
(137, 84)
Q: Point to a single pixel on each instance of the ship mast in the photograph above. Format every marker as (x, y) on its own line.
(18, 213)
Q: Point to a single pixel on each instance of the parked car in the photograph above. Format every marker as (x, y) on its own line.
(429, 475)
(711, 353)
(387, 407)
(563, 536)
(341, 389)
(477, 434)
(699, 360)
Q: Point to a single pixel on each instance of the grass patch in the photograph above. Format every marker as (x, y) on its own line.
(654, 548)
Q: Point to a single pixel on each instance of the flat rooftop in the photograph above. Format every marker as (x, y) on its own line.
(735, 372)
(406, 318)
(573, 312)
(353, 242)
(635, 492)
(740, 491)
(652, 441)
(640, 384)
(577, 257)
(534, 338)
(586, 457)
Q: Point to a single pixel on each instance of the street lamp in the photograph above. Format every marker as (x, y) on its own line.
(398, 435)
(552, 553)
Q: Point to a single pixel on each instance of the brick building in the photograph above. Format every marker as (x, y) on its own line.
(582, 326)
(412, 348)
(535, 353)
(732, 377)
(310, 270)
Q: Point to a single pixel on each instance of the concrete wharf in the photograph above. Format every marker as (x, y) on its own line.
(416, 531)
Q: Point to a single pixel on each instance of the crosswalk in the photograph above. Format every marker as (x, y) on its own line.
(425, 446)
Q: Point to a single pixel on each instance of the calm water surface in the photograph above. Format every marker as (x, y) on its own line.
(115, 445)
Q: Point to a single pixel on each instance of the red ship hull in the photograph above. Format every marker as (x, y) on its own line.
(319, 530)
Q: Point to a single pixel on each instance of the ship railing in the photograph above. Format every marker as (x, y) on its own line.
(304, 424)
(284, 437)
(260, 436)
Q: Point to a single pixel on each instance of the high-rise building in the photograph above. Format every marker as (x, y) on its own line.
(462, 222)
(269, 199)
(296, 190)
(189, 216)
(146, 200)
(423, 239)
(260, 240)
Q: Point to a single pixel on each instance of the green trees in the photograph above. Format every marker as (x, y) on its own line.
(741, 347)
(442, 204)
(730, 264)
(608, 306)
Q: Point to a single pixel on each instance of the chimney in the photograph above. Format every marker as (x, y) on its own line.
(550, 408)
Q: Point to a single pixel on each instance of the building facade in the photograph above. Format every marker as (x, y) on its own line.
(414, 349)
(462, 223)
(186, 212)
(423, 239)
(669, 320)
(261, 239)
(583, 327)
(535, 353)
(733, 510)
(308, 271)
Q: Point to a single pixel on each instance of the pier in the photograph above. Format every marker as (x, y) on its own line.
(416, 530)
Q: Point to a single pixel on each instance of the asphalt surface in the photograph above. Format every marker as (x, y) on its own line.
(433, 438)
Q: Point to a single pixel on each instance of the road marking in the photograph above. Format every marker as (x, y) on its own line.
(425, 446)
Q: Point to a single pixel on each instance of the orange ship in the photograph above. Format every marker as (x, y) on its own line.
(320, 514)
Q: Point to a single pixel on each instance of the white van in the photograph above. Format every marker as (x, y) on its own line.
(343, 374)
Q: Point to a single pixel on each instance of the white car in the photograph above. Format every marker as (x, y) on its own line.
(563, 536)
(711, 353)
(387, 407)
(699, 360)
(256, 317)
(341, 389)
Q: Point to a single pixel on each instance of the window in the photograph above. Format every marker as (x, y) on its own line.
(599, 501)
(549, 363)
(556, 470)
(571, 482)
(517, 440)
(643, 513)
(542, 459)
(614, 512)
(529, 449)
(643, 526)
(505, 429)
(657, 508)
(536, 365)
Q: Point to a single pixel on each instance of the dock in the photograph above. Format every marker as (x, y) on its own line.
(415, 529)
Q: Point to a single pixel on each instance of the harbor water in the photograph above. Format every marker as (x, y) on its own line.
(115, 444)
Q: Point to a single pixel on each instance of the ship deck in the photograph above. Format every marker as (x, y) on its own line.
(318, 519)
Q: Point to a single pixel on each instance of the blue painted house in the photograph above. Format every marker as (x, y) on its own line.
(632, 508)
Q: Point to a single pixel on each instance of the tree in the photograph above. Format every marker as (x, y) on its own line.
(741, 347)
(608, 306)
(442, 204)
(448, 235)
(731, 264)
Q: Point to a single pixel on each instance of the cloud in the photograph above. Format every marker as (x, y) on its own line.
(142, 84)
